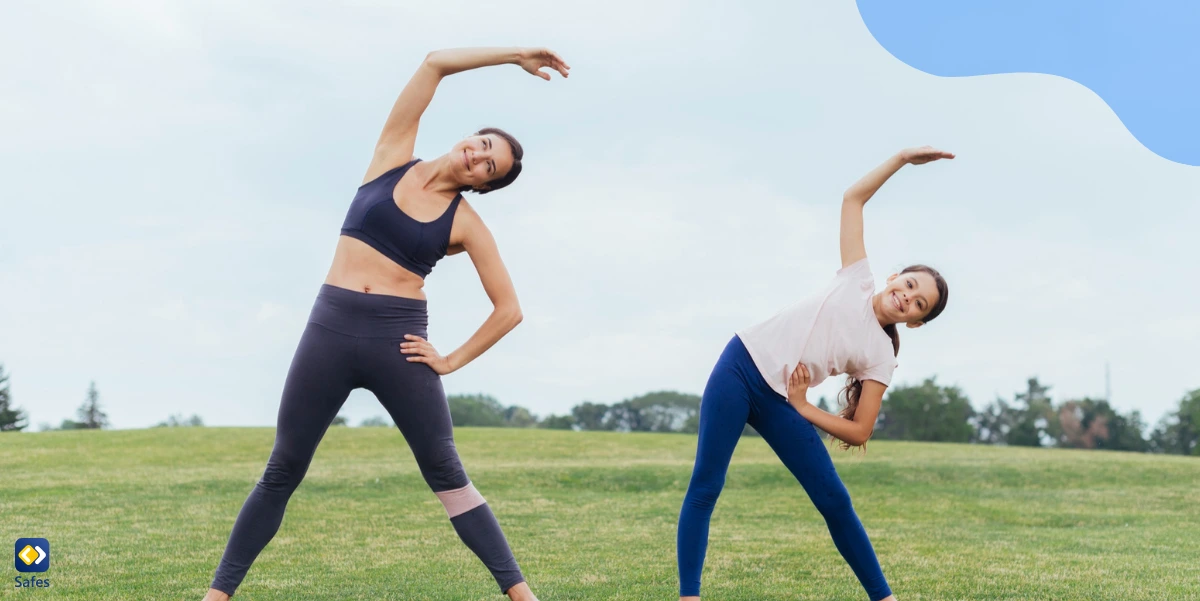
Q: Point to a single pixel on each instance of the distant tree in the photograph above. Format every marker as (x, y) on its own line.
(590, 416)
(178, 421)
(68, 424)
(1036, 422)
(475, 410)
(12, 419)
(667, 410)
(1178, 432)
(518, 417)
(691, 425)
(661, 411)
(624, 417)
(340, 420)
(375, 422)
(993, 424)
(1094, 424)
(558, 422)
(1127, 433)
(926, 412)
(1081, 425)
(90, 415)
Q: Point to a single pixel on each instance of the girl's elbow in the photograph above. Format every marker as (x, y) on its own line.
(864, 436)
(858, 438)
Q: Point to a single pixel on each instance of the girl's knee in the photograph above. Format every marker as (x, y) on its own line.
(834, 503)
(703, 495)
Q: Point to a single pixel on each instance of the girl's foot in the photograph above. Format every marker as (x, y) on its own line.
(215, 595)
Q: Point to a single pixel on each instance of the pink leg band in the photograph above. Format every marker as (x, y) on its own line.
(460, 500)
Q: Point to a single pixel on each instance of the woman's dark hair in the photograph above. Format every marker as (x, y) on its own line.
(853, 389)
(508, 178)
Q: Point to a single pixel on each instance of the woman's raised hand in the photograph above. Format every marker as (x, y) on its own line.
(533, 59)
(924, 154)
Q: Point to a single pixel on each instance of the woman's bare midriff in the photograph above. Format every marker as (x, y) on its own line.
(360, 268)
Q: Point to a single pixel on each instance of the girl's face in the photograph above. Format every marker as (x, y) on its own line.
(908, 298)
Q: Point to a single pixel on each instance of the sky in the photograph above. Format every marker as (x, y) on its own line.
(173, 177)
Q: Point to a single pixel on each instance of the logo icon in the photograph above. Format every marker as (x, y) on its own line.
(32, 555)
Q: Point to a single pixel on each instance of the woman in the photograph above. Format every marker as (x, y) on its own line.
(762, 378)
(367, 328)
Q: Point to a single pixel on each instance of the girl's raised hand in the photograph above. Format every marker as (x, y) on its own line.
(923, 154)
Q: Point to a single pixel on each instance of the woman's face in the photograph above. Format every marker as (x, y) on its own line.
(478, 160)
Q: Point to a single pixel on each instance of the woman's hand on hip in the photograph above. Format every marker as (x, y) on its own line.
(533, 59)
(421, 351)
(797, 385)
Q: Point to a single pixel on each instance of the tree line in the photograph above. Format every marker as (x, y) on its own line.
(922, 412)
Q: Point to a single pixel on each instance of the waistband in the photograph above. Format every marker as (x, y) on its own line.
(369, 315)
(738, 358)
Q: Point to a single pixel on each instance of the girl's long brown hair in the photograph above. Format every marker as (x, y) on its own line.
(853, 389)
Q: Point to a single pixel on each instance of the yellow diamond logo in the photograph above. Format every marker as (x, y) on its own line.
(28, 555)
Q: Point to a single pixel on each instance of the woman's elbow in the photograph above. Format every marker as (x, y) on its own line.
(433, 62)
(512, 316)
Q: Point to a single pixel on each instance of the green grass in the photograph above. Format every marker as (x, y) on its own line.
(144, 515)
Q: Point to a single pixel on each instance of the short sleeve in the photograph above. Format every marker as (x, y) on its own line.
(881, 373)
(858, 274)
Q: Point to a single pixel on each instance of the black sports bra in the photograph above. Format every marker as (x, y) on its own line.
(375, 219)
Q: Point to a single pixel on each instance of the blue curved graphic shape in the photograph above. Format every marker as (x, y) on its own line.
(1141, 56)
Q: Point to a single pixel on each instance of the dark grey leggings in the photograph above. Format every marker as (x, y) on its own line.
(352, 340)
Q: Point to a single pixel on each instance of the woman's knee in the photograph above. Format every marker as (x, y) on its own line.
(460, 500)
(284, 471)
(442, 468)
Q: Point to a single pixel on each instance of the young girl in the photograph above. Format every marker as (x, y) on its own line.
(368, 326)
(762, 378)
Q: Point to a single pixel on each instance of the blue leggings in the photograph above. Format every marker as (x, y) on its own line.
(735, 395)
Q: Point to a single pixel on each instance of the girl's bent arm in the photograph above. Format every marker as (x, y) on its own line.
(855, 432)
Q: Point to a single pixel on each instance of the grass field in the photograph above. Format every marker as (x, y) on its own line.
(144, 514)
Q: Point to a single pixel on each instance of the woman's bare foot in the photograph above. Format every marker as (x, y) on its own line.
(521, 592)
(215, 595)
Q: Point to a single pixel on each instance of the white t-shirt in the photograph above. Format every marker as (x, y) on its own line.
(834, 332)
